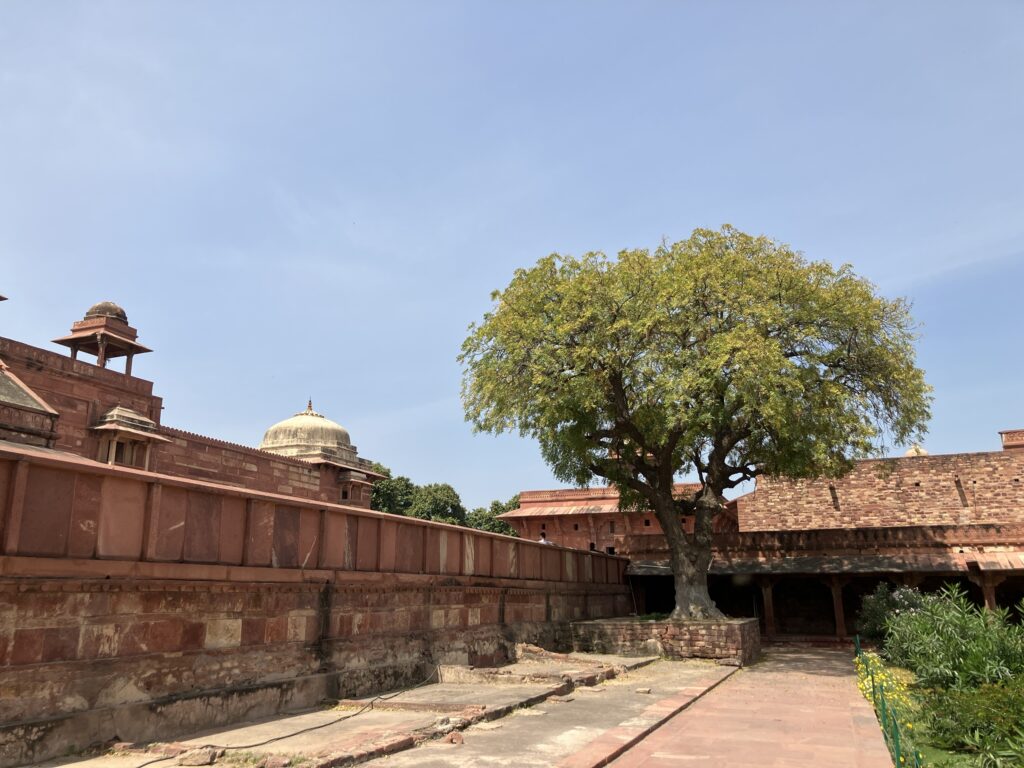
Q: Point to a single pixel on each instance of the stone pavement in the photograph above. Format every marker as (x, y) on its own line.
(571, 731)
(360, 729)
(798, 707)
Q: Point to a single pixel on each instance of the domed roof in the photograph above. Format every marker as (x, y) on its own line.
(107, 309)
(307, 433)
(915, 450)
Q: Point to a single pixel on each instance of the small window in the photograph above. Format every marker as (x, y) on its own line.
(647, 523)
(344, 493)
(543, 526)
(575, 526)
(593, 547)
(610, 550)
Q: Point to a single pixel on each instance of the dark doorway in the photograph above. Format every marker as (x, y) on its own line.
(1009, 595)
(803, 606)
(653, 594)
(854, 592)
(936, 582)
(737, 596)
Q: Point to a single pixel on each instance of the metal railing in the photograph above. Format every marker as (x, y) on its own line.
(889, 715)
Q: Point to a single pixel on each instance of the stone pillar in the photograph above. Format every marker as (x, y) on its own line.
(988, 589)
(836, 585)
(767, 586)
(988, 583)
(128, 365)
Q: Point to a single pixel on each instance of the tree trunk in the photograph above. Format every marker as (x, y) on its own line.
(690, 558)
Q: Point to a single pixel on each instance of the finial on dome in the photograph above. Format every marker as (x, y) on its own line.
(309, 406)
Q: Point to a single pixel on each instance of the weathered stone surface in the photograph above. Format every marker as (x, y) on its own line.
(204, 756)
(735, 641)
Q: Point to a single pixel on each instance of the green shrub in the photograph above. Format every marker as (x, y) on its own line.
(876, 608)
(986, 721)
(948, 642)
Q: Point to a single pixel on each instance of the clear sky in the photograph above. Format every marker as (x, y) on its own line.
(314, 199)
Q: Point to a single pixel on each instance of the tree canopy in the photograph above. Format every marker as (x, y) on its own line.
(398, 495)
(392, 494)
(486, 518)
(437, 501)
(724, 355)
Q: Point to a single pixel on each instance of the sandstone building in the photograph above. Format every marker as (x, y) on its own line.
(799, 555)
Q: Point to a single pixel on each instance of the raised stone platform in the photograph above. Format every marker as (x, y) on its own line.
(728, 641)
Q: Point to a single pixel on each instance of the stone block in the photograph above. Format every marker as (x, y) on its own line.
(223, 633)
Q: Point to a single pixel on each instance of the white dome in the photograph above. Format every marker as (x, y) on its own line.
(306, 433)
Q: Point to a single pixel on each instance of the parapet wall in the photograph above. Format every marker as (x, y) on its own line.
(59, 506)
(137, 606)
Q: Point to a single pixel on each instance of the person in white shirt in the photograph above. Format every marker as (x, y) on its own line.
(543, 538)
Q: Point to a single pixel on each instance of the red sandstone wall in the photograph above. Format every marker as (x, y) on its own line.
(59, 507)
(205, 458)
(88, 660)
(894, 492)
(199, 604)
(82, 392)
(79, 391)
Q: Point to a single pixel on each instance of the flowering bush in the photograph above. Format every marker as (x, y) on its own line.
(876, 608)
(948, 642)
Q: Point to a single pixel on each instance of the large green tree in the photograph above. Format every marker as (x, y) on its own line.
(723, 356)
(391, 494)
(437, 501)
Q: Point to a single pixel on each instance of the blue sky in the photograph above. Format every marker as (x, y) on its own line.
(316, 198)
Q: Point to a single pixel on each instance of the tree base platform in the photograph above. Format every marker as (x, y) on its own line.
(728, 641)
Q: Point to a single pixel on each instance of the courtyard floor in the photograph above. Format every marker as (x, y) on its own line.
(796, 707)
(799, 707)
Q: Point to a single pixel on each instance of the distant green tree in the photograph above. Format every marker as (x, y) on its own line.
(392, 494)
(439, 502)
(486, 518)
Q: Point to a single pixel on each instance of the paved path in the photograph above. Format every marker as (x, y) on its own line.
(798, 707)
(575, 731)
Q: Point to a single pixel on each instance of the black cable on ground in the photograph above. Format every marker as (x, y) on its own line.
(436, 673)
